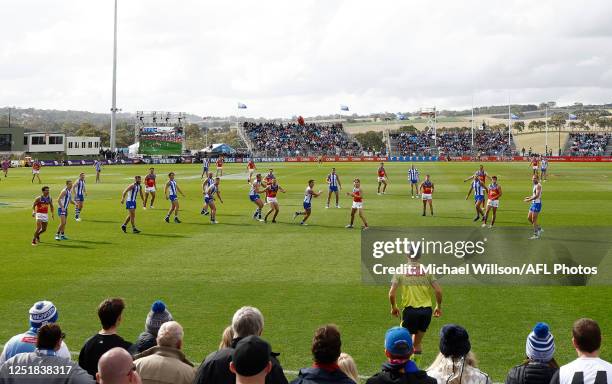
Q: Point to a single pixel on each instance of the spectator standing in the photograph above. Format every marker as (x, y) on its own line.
(42, 312)
(165, 363)
(110, 313)
(116, 367)
(247, 321)
(28, 367)
(456, 364)
(399, 368)
(251, 361)
(157, 316)
(540, 365)
(588, 368)
(326, 349)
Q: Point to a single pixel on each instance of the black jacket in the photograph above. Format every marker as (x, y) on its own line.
(394, 374)
(531, 373)
(215, 368)
(145, 341)
(321, 376)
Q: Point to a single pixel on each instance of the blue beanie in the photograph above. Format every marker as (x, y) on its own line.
(158, 315)
(41, 313)
(540, 344)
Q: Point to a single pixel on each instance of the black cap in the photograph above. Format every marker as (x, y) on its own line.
(454, 341)
(251, 356)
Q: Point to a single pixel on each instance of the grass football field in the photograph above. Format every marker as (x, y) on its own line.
(300, 277)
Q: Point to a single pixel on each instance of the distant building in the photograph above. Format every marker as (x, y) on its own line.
(82, 145)
(11, 140)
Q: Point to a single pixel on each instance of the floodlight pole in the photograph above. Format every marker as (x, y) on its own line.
(546, 123)
(113, 129)
(509, 128)
(472, 122)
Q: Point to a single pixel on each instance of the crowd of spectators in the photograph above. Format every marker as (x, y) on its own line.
(588, 144)
(243, 356)
(450, 143)
(292, 139)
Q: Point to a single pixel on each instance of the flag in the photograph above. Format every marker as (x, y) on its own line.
(514, 117)
(344, 108)
(400, 116)
(572, 116)
(242, 106)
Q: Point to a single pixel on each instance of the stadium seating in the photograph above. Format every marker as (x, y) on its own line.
(451, 143)
(291, 139)
(588, 144)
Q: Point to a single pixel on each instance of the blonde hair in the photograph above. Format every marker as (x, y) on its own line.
(348, 366)
(226, 337)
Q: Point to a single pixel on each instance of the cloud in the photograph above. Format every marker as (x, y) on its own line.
(283, 58)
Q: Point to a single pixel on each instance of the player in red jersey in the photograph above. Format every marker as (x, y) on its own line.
(36, 171)
(535, 162)
(494, 194)
(269, 177)
(480, 173)
(150, 184)
(251, 168)
(40, 211)
(219, 163)
(427, 190)
(272, 190)
(357, 207)
(382, 178)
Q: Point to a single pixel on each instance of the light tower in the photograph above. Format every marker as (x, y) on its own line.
(431, 116)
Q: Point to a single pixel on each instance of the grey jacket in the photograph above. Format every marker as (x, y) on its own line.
(42, 366)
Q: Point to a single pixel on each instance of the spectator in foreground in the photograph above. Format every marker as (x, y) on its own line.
(456, 363)
(41, 313)
(540, 365)
(247, 321)
(116, 367)
(588, 368)
(110, 314)
(399, 368)
(165, 363)
(157, 316)
(48, 343)
(251, 361)
(326, 348)
(348, 366)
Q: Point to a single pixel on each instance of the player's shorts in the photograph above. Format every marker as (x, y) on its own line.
(271, 200)
(209, 200)
(357, 204)
(42, 217)
(205, 170)
(62, 212)
(493, 203)
(254, 198)
(478, 197)
(150, 189)
(543, 169)
(426, 196)
(535, 167)
(535, 207)
(35, 171)
(251, 171)
(173, 198)
(416, 319)
(333, 188)
(130, 205)
(220, 167)
(307, 206)
(79, 198)
(381, 179)
(414, 181)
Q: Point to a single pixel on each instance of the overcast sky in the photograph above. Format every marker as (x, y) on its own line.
(307, 57)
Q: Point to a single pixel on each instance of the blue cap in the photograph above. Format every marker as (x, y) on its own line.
(398, 341)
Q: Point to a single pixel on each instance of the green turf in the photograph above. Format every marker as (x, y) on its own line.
(300, 277)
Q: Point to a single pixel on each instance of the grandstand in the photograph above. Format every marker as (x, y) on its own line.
(449, 143)
(588, 144)
(292, 139)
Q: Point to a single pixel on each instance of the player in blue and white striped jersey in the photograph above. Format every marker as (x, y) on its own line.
(479, 196)
(333, 180)
(210, 180)
(205, 166)
(129, 196)
(413, 178)
(309, 193)
(171, 191)
(79, 191)
(63, 201)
